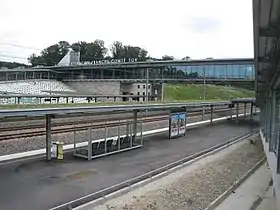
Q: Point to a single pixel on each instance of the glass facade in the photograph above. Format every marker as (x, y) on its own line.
(173, 72)
(227, 71)
(26, 75)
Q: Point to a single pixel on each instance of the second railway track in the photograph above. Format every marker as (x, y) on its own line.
(66, 127)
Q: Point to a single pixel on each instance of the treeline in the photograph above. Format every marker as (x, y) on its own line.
(12, 65)
(92, 51)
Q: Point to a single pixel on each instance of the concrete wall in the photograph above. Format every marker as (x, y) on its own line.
(96, 88)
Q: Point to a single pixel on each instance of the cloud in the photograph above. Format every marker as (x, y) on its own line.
(204, 25)
(195, 28)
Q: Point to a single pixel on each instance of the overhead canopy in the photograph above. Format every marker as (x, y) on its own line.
(266, 14)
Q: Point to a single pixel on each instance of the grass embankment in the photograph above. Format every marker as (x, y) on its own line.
(195, 92)
(172, 93)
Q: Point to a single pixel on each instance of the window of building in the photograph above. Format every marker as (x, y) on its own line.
(149, 86)
(149, 93)
(144, 86)
(138, 93)
(143, 93)
(138, 86)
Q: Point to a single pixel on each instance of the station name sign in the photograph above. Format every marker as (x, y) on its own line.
(122, 60)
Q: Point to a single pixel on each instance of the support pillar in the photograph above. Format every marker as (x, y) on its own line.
(251, 111)
(237, 110)
(127, 129)
(245, 109)
(211, 115)
(273, 121)
(89, 143)
(266, 121)
(162, 91)
(134, 124)
(230, 111)
(203, 112)
(48, 137)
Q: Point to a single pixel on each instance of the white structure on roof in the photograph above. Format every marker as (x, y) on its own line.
(70, 58)
(35, 87)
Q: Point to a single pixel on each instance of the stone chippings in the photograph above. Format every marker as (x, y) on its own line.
(196, 189)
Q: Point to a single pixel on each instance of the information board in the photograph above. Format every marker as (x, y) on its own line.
(177, 124)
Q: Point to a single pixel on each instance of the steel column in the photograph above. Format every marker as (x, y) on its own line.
(237, 110)
(89, 143)
(119, 139)
(266, 120)
(203, 112)
(211, 116)
(230, 111)
(251, 110)
(273, 121)
(48, 137)
(134, 124)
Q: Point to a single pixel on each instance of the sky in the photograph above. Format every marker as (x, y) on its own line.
(195, 28)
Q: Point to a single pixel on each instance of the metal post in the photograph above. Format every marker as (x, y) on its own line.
(119, 143)
(204, 84)
(127, 128)
(105, 137)
(255, 109)
(211, 118)
(273, 121)
(130, 135)
(162, 91)
(237, 110)
(245, 109)
(74, 138)
(268, 119)
(147, 83)
(135, 125)
(230, 111)
(89, 143)
(265, 121)
(48, 137)
(203, 111)
(141, 130)
(251, 111)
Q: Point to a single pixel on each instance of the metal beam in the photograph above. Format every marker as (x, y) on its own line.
(48, 137)
(269, 32)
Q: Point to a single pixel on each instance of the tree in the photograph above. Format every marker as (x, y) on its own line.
(12, 65)
(193, 75)
(51, 55)
(186, 58)
(119, 50)
(90, 51)
(167, 57)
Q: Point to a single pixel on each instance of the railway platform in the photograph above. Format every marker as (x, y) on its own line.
(38, 184)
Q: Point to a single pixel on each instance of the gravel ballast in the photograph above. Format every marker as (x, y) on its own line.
(38, 142)
(195, 186)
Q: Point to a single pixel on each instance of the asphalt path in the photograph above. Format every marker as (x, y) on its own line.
(39, 184)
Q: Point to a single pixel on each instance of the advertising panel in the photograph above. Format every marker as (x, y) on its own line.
(174, 119)
(182, 123)
(177, 124)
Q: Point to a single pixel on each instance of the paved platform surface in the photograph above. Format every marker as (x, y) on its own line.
(254, 194)
(41, 185)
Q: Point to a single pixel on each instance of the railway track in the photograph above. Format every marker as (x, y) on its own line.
(66, 127)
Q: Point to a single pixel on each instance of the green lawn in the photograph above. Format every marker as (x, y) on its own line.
(195, 92)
